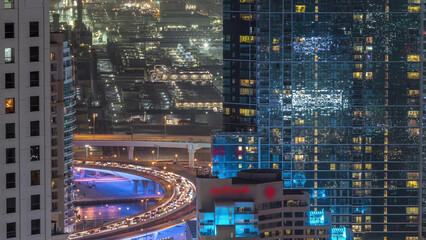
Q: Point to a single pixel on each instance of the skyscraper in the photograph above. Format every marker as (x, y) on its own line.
(328, 92)
(25, 140)
(63, 101)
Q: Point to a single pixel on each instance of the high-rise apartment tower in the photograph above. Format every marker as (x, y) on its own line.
(25, 152)
(329, 92)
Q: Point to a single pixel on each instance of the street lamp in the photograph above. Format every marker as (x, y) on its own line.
(165, 122)
(153, 154)
(87, 150)
(94, 116)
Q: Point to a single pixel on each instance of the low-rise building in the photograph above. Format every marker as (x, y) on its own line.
(254, 205)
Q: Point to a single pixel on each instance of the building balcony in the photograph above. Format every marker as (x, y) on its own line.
(252, 234)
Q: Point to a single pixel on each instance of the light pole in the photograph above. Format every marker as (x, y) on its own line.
(165, 122)
(94, 115)
(87, 150)
(153, 155)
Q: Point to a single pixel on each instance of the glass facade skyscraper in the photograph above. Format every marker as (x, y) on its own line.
(329, 92)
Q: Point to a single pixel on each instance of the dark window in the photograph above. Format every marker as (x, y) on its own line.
(10, 155)
(34, 128)
(34, 54)
(34, 79)
(35, 153)
(9, 80)
(288, 223)
(34, 104)
(9, 30)
(298, 214)
(35, 202)
(298, 223)
(298, 232)
(10, 130)
(33, 29)
(11, 230)
(10, 180)
(10, 205)
(35, 226)
(35, 177)
(288, 214)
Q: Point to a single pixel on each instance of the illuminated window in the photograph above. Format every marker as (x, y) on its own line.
(413, 93)
(300, 40)
(240, 165)
(299, 157)
(240, 157)
(367, 228)
(358, 66)
(358, 219)
(358, 49)
(276, 49)
(368, 149)
(413, 114)
(298, 140)
(316, 8)
(246, 39)
(358, 17)
(357, 166)
(316, 58)
(411, 238)
(357, 113)
(247, 82)
(413, 75)
(9, 55)
(332, 167)
(10, 105)
(368, 166)
(247, 112)
(52, 56)
(413, 58)
(276, 41)
(357, 148)
(298, 122)
(316, 18)
(369, 40)
(413, 175)
(356, 184)
(357, 57)
(286, 92)
(315, 149)
(367, 219)
(412, 184)
(246, 16)
(275, 166)
(300, 8)
(246, 91)
(356, 228)
(357, 75)
(368, 75)
(413, 9)
(227, 111)
(412, 210)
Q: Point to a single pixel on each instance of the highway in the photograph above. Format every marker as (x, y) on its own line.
(178, 202)
(139, 137)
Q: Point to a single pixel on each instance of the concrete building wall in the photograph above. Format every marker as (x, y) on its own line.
(27, 216)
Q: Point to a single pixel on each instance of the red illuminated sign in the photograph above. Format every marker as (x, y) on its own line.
(229, 190)
(270, 192)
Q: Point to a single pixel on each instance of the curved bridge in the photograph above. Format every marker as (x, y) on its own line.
(178, 202)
